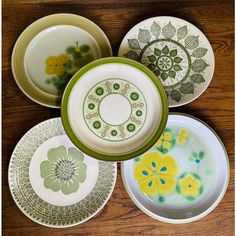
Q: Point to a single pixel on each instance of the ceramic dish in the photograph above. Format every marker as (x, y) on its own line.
(55, 184)
(51, 50)
(183, 177)
(176, 51)
(114, 109)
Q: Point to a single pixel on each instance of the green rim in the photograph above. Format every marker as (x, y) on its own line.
(107, 156)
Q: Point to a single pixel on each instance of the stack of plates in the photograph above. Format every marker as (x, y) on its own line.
(63, 171)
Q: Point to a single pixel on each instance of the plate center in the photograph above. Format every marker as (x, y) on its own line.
(115, 109)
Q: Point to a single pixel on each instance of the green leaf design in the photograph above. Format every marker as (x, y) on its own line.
(194, 154)
(201, 155)
(187, 88)
(172, 74)
(88, 58)
(70, 50)
(197, 78)
(165, 50)
(152, 58)
(144, 36)
(84, 48)
(134, 44)
(157, 52)
(132, 55)
(199, 52)
(157, 72)
(78, 62)
(182, 32)
(191, 159)
(177, 67)
(191, 42)
(190, 198)
(175, 95)
(77, 55)
(155, 29)
(164, 76)
(177, 60)
(173, 53)
(151, 66)
(69, 65)
(168, 31)
(177, 189)
(199, 65)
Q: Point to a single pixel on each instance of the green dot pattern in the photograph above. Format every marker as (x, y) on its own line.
(131, 127)
(139, 113)
(116, 86)
(91, 106)
(134, 96)
(113, 132)
(99, 91)
(96, 124)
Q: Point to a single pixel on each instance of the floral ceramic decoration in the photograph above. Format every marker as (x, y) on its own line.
(63, 66)
(118, 130)
(64, 170)
(176, 52)
(55, 184)
(170, 171)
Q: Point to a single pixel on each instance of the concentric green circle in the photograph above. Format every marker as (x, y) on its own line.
(123, 155)
(99, 91)
(97, 125)
(134, 96)
(116, 86)
(91, 106)
(113, 132)
(139, 112)
(130, 127)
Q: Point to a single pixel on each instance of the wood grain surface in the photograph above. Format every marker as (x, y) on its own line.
(216, 107)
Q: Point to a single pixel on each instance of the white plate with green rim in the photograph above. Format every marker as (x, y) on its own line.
(114, 109)
(183, 177)
(55, 184)
(176, 51)
(51, 50)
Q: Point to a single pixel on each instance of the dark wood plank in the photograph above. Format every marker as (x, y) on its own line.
(216, 107)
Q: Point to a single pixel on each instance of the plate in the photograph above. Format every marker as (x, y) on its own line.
(55, 184)
(176, 51)
(51, 50)
(114, 109)
(183, 177)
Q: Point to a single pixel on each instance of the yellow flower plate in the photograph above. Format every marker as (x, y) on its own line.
(49, 52)
(183, 176)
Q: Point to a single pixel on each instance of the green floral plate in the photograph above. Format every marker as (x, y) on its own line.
(114, 109)
(176, 51)
(51, 50)
(55, 184)
(183, 176)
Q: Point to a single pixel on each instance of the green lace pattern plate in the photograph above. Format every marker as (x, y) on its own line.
(36, 208)
(176, 52)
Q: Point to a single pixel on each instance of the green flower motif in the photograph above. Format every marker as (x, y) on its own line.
(166, 141)
(197, 157)
(165, 62)
(64, 170)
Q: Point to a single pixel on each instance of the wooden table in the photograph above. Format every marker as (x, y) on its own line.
(216, 107)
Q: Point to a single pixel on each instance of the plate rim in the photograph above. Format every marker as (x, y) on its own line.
(204, 213)
(213, 58)
(103, 155)
(48, 225)
(52, 100)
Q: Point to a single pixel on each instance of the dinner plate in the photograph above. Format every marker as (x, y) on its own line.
(183, 177)
(55, 184)
(51, 50)
(176, 51)
(114, 109)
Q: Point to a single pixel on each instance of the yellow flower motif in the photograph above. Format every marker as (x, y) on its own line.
(183, 134)
(190, 186)
(56, 65)
(155, 173)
